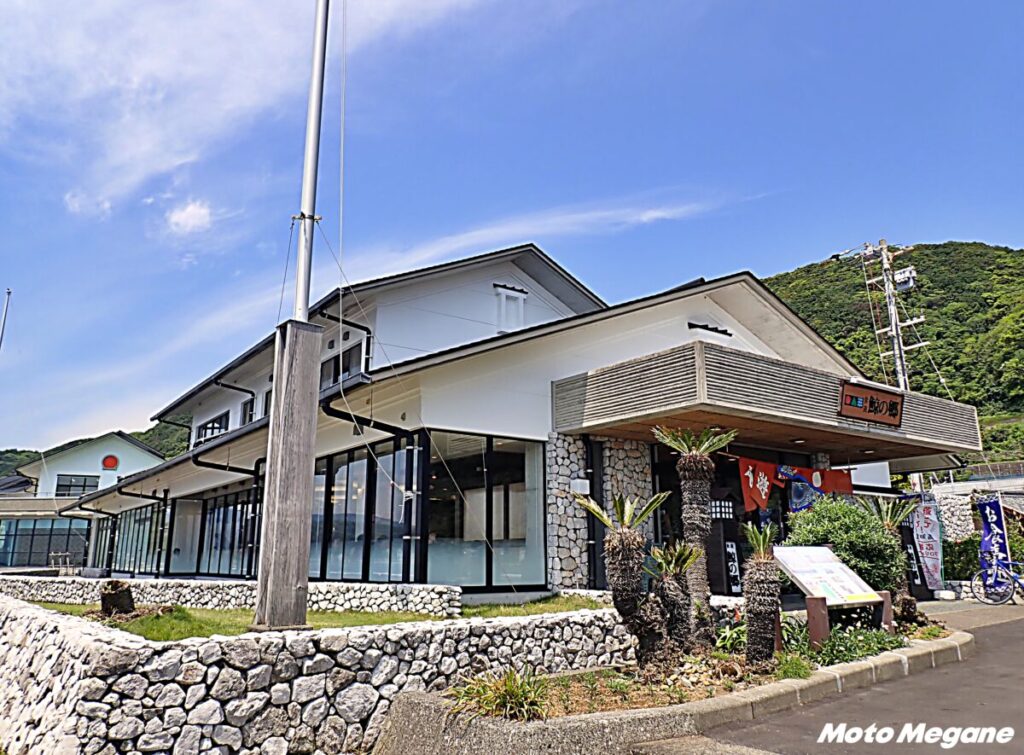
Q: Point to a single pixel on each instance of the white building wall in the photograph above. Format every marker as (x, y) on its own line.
(438, 313)
(87, 458)
(508, 392)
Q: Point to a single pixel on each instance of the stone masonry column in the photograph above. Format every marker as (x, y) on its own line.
(566, 521)
(627, 471)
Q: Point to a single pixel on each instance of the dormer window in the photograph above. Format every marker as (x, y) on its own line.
(511, 307)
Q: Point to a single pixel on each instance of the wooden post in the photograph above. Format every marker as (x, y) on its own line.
(817, 622)
(779, 644)
(283, 581)
(887, 623)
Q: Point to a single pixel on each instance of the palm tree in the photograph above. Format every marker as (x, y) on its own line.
(641, 612)
(761, 594)
(696, 473)
(891, 512)
(672, 563)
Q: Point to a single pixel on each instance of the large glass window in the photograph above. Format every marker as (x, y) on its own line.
(139, 539)
(316, 529)
(43, 542)
(485, 515)
(73, 486)
(229, 533)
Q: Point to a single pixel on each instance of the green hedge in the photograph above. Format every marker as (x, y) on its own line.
(960, 560)
(859, 539)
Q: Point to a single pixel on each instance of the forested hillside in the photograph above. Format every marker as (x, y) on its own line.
(169, 440)
(972, 296)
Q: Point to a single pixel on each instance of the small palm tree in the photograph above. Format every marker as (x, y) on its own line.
(761, 594)
(671, 564)
(891, 512)
(696, 473)
(641, 612)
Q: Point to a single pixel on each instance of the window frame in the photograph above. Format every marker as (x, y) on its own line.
(509, 294)
(222, 420)
(70, 487)
(247, 411)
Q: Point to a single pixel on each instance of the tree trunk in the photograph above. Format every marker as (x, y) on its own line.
(641, 612)
(904, 605)
(116, 597)
(675, 599)
(696, 505)
(761, 603)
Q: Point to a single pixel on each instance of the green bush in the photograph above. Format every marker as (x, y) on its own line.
(849, 644)
(960, 560)
(792, 666)
(519, 696)
(856, 537)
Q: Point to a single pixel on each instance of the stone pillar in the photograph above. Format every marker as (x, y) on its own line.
(627, 471)
(821, 460)
(567, 523)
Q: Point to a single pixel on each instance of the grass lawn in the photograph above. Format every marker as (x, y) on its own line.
(180, 622)
(554, 604)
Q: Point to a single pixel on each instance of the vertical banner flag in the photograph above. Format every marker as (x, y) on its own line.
(928, 539)
(993, 527)
(756, 479)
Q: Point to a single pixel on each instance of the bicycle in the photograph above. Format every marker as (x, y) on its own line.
(996, 582)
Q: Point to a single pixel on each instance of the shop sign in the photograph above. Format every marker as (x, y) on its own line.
(819, 573)
(928, 539)
(732, 567)
(871, 404)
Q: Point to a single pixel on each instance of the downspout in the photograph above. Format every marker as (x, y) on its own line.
(363, 422)
(240, 389)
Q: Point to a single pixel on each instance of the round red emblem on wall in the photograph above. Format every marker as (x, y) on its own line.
(110, 461)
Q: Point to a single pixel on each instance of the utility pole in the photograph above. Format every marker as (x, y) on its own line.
(899, 354)
(283, 579)
(3, 320)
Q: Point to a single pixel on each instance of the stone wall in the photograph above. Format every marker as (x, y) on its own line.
(566, 521)
(955, 514)
(434, 600)
(627, 471)
(69, 686)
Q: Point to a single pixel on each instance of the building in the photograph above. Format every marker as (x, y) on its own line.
(32, 534)
(461, 405)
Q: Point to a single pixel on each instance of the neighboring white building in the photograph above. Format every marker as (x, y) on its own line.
(32, 534)
(461, 403)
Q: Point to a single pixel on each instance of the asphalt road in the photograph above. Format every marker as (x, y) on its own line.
(986, 690)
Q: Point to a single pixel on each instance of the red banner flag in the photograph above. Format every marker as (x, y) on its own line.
(756, 479)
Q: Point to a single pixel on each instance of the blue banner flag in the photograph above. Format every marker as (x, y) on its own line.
(993, 528)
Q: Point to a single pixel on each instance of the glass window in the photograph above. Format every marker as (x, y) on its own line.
(73, 486)
(212, 428)
(457, 510)
(352, 361)
(316, 530)
(329, 372)
(248, 412)
(517, 469)
(267, 398)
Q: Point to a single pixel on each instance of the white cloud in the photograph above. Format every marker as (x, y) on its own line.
(136, 90)
(192, 217)
(568, 220)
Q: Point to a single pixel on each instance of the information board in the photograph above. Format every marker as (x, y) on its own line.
(819, 573)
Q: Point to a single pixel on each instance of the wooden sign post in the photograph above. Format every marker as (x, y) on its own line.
(829, 583)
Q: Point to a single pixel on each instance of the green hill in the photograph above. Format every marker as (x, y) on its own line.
(972, 296)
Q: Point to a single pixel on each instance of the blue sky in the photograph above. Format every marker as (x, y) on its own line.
(150, 159)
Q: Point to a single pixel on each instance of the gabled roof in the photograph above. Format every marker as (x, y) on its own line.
(693, 288)
(31, 467)
(529, 257)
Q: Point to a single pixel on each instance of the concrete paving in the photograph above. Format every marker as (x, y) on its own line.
(986, 690)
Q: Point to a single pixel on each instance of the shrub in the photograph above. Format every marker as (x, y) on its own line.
(849, 644)
(519, 696)
(794, 635)
(856, 537)
(792, 666)
(732, 638)
(960, 560)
